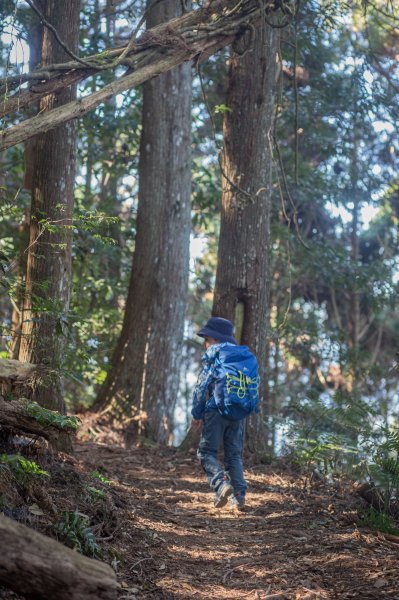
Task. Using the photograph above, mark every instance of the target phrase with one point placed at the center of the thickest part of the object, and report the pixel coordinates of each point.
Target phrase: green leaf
(222, 108)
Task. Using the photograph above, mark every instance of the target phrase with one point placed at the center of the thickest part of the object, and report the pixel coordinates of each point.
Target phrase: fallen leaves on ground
(152, 513)
(290, 543)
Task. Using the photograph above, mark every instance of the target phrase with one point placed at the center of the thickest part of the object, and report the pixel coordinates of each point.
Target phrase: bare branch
(202, 31)
(376, 63)
(38, 90)
(55, 33)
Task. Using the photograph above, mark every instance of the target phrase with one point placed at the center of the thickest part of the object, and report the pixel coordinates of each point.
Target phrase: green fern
(102, 478)
(21, 468)
(383, 470)
(380, 521)
(94, 493)
(325, 454)
(391, 443)
(74, 529)
(45, 416)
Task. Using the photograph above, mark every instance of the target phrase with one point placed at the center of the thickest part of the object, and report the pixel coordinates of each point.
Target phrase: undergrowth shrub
(44, 416)
(21, 468)
(74, 530)
(383, 469)
(365, 452)
(94, 493)
(381, 521)
(100, 477)
(328, 455)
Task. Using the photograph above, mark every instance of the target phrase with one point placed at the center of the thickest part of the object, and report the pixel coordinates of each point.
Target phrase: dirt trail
(171, 543)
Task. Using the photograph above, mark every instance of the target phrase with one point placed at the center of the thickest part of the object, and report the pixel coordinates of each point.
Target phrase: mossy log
(27, 417)
(39, 567)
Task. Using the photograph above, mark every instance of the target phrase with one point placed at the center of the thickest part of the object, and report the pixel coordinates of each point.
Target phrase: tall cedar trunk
(35, 35)
(242, 278)
(354, 313)
(109, 185)
(144, 376)
(49, 259)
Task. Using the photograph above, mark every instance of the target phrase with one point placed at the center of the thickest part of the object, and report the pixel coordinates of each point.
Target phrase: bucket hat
(219, 329)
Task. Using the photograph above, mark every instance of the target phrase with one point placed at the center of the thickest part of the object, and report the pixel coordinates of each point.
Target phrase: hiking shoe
(222, 495)
(237, 501)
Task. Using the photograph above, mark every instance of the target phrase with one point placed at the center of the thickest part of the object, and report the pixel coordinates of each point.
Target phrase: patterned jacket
(203, 399)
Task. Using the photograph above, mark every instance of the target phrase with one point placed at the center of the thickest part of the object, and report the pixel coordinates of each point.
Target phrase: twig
(105, 539)
(383, 12)
(56, 35)
(82, 61)
(219, 151)
(377, 65)
(243, 563)
(140, 561)
(287, 191)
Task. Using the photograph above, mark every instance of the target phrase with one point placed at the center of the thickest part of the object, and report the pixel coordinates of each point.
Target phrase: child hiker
(225, 394)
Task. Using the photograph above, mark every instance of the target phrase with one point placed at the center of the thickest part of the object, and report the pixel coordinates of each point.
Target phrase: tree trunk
(35, 36)
(243, 279)
(144, 377)
(49, 258)
(39, 567)
(17, 312)
(354, 308)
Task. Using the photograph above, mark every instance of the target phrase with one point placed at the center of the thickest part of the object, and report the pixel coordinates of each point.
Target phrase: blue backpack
(236, 390)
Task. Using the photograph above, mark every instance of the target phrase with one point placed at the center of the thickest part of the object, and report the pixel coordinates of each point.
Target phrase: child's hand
(196, 423)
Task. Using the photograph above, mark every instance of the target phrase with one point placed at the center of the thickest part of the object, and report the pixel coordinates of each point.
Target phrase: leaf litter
(289, 543)
(166, 540)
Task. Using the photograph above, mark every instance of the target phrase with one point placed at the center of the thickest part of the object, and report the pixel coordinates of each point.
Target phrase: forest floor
(159, 530)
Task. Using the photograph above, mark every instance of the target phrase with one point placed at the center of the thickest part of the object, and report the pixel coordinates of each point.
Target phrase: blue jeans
(216, 430)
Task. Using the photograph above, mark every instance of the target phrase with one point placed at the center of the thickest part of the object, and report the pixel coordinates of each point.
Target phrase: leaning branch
(194, 35)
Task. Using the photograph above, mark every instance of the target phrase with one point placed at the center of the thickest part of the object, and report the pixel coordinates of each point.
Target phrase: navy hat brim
(208, 332)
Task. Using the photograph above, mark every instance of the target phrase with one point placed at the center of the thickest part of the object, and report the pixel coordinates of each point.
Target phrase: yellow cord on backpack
(240, 385)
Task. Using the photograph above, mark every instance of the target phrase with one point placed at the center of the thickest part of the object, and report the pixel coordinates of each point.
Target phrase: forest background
(332, 326)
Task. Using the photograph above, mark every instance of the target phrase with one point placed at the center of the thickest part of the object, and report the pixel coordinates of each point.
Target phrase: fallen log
(27, 417)
(40, 567)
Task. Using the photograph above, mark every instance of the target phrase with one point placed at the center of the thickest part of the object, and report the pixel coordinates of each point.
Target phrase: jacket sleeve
(201, 388)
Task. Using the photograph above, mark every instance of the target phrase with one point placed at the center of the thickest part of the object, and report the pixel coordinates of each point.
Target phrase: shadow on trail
(288, 544)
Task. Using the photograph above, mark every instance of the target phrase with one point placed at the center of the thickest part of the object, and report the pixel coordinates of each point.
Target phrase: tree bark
(35, 35)
(49, 257)
(17, 417)
(39, 567)
(198, 33)
(243, 278)
(354, 308)
(144, 377)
